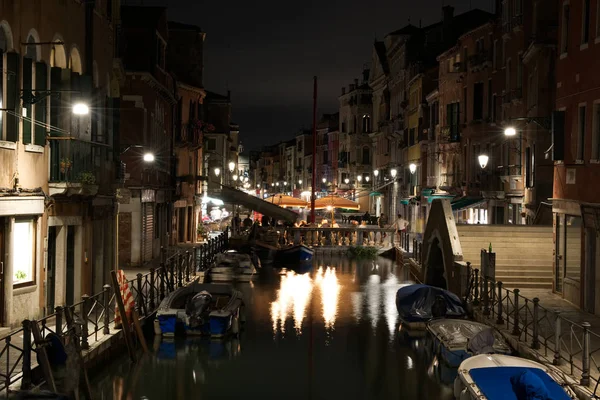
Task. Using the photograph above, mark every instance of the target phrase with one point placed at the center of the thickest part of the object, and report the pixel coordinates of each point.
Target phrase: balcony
(450, 134)
(481, 59)
(73, 171)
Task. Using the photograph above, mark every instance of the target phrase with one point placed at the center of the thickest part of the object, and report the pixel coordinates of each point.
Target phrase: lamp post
(393, 173)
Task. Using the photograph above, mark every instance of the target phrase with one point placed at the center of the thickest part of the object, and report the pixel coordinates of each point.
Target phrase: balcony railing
(73, 160)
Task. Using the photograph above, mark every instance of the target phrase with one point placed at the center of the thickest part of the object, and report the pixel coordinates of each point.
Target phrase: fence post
(187, 266)
(499, 319)
(486, 297)
(535, 341)
(585, 368)
(163, 254)
(59, 318)
(557, 337)
(161, 277)
(475, 286)
(226, 236)
(26, 379)
(106, 304)
(151, 290)
(516, 330)
(84, 327)
(139, 304)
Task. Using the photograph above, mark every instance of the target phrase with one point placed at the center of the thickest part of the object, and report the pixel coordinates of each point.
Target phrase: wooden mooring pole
(125, 322)
(87, 389)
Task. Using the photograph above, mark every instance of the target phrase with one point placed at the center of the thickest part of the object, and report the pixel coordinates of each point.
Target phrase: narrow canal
(328, 334)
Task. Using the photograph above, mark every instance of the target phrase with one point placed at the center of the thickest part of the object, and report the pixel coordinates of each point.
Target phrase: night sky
(266, 52)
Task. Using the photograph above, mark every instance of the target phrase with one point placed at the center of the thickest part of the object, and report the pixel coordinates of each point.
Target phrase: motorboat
(455, 340)
(294, 255)
(418, 304)
(232, 265)
(498, 376)
(266, 252)
(200, 309)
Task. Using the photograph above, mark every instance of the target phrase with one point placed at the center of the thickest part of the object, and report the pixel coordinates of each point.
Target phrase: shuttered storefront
(148, 230)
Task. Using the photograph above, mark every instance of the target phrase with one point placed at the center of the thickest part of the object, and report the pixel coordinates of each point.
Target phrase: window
(518, 8)
(478, 101)
(495, 55)
(504, 52)
(465, 58)
(325, 157)
(598, 19)
(490, 100)
(528, 167)
(493, 114)
(585, 22)
(465, 103)
(366, 124)
(27, 94)
(520, 73)
(299, 145)
(452, 120)
(160, 52)
(596, 132)
(343, 126)
(366, 158)
(581, 133)
(508, 85)
(23, 252)
(564, 35)
(211, 144)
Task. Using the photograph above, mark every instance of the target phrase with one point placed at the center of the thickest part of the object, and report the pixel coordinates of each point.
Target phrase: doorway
(2, 255)
(590, 271)
(51, 270)
(70, 288)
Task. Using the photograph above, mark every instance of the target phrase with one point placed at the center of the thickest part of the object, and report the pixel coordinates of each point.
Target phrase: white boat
(497, 376)
(456, 340)
(232, 265)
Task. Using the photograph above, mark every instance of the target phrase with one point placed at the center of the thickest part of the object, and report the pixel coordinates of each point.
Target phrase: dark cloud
(267, 52)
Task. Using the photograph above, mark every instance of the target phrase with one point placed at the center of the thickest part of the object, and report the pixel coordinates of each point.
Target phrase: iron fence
(94, 314)
(555, 336)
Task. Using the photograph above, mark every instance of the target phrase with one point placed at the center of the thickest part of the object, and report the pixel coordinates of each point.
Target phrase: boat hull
(265, 253)
(295, 255)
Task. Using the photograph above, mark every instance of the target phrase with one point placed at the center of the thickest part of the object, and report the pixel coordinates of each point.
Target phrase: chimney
(351, 87)
(356, 82)
(447, 13)
(229, 95)
(365, 75)
(344, 90)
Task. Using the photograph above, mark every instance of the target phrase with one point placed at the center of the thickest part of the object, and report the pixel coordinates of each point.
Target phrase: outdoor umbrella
(283, 200)
(332, 202)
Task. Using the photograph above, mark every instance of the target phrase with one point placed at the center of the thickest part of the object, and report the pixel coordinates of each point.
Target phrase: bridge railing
(350, 236)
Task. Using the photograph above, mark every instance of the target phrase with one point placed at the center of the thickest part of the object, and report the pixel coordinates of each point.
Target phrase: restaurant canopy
(283, 200)
(234, 196)
(333, 201)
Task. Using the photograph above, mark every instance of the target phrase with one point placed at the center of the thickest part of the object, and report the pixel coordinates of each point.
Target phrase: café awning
(234, 196)
(466, 202)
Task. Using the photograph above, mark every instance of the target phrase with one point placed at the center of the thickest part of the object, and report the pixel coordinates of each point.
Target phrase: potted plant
(202, 233)
(65, 165)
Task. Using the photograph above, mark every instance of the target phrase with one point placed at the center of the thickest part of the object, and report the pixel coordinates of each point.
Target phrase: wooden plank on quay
(40, 344)
(87, 389)
(138, 330)
(125, 323)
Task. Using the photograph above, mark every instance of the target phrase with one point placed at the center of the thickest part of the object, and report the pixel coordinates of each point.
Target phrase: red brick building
(576, 200)
(147, 121)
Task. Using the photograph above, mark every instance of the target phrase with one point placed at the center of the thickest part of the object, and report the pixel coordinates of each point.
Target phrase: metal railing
(555, 336)
(351, 236)
(94, 314)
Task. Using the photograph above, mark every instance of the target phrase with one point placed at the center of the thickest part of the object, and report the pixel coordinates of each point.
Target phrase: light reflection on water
(328, 333)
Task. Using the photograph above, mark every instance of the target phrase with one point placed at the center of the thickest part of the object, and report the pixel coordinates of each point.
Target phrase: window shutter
(55, 85)
(27, 96)
(12, 96)
(41, 85)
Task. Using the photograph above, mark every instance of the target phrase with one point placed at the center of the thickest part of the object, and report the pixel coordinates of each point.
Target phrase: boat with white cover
(232, 265)
(455, 340)
(502, 377)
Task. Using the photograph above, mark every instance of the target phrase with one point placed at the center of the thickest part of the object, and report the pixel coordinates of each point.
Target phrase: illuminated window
(23, 252)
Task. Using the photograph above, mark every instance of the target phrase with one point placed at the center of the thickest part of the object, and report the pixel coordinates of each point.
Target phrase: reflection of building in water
(292, 299)
(330, 290)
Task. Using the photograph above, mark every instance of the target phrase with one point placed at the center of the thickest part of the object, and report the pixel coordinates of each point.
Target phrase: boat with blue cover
(201, 309)
(418, 304)
(455, 340)
(294, 255)
(502, 377)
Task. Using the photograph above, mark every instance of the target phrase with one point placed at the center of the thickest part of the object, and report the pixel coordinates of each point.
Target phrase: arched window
(366, 156)
(366, 123)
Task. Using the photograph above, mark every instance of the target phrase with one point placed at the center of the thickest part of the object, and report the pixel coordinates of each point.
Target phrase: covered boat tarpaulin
(234, 196)
(415, 302)
(466, 202)
(517, 383)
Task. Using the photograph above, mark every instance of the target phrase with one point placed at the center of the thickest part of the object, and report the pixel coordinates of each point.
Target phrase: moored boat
(231, 265)
(294, 255)
(418, 304)
(497, 376)
(265, 252)
(456, 340)
(200, 309)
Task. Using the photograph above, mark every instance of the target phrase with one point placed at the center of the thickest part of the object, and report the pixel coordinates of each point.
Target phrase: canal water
(331, 333)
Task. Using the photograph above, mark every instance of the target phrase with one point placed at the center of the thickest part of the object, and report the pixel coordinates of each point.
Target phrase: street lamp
(483, 160)
(231, 166)
(359, 178)
(413, 168)
(81, 109)
(324, 180)
(346, 181)
(376, 173)
(367, 178)
(510, 131)
(393, 172)
(284, 183)
(217, 171)
(235, 178)
(299, 181)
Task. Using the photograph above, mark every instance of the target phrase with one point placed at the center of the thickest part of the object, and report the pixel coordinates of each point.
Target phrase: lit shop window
(23, 252)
